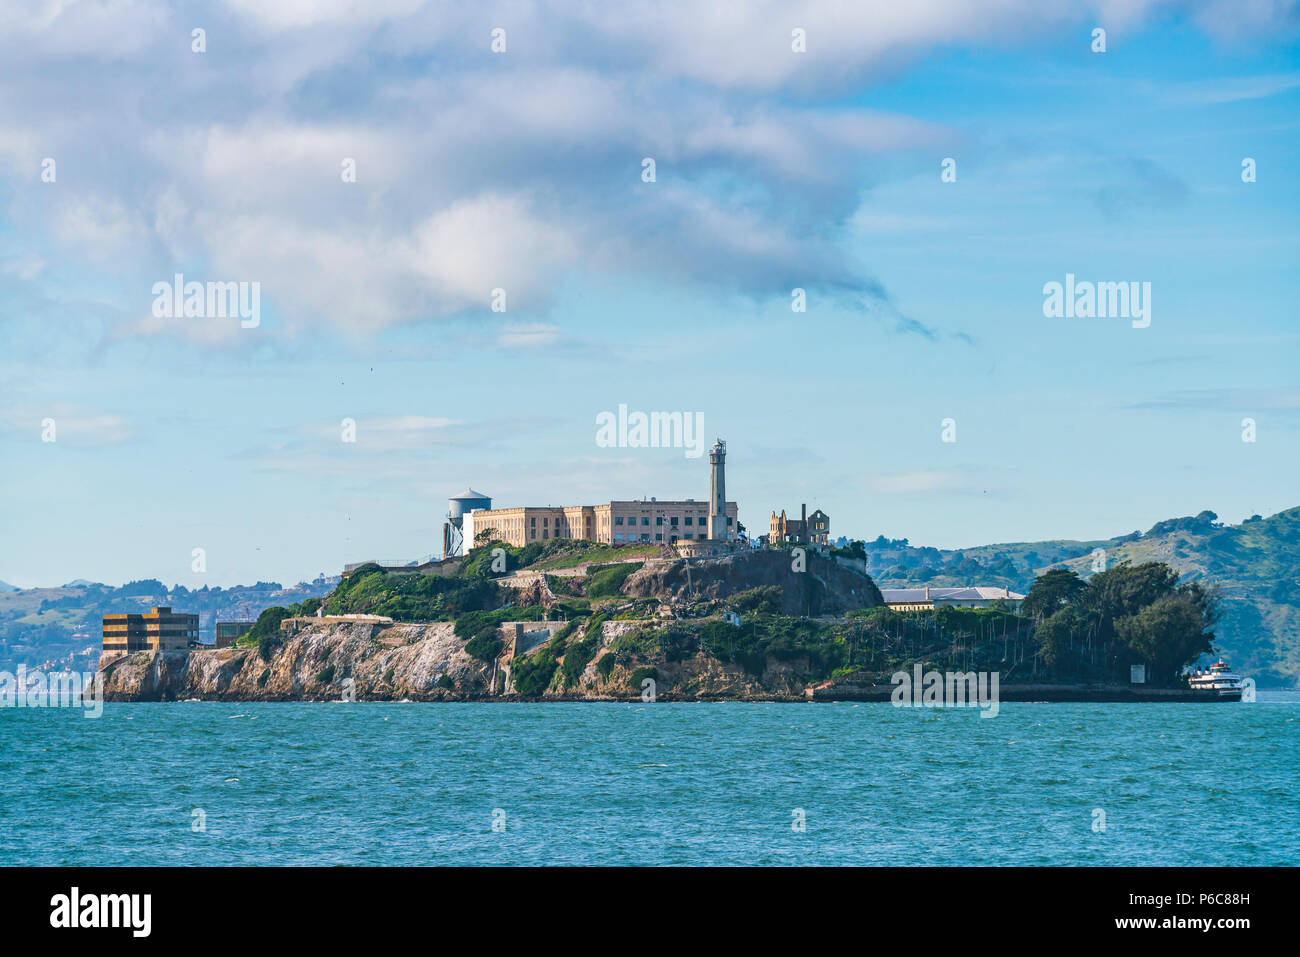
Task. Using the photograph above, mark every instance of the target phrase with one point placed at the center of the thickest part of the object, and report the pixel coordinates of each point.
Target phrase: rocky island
(569, 620)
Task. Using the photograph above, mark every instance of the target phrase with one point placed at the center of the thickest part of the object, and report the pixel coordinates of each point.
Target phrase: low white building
(924, 599)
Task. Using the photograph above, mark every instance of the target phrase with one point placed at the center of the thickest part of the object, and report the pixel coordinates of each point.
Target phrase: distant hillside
(61, 627)
(1255, 564)
(5, 586)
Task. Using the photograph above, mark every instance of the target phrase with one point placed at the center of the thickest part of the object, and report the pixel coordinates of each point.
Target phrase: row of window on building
(659, 520)
(161, 629)
(658, 536)
(618, 520)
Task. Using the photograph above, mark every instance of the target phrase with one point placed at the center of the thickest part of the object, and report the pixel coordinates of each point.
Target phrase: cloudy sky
(128, 156)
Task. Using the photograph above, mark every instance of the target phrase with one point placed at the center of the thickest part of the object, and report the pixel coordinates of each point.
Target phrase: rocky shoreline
(367, 661)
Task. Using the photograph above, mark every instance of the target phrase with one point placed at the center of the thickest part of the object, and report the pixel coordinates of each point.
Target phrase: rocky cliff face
(315, 663)
(823, 586)
(323, 662)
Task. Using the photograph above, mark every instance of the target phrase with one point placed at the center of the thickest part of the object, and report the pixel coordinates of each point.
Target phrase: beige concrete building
(614, 523)
(521, 525)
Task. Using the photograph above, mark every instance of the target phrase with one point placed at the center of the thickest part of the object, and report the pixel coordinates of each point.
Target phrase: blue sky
(522, 170)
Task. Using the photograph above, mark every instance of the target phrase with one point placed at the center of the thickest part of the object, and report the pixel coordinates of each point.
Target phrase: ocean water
(648, 784)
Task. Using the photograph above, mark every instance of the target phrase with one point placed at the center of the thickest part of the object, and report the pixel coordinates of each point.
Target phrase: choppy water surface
(652, 784)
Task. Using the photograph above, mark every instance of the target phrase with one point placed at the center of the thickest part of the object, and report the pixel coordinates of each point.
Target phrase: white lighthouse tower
(718, 492)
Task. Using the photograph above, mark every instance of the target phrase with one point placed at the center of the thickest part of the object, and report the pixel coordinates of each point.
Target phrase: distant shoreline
(1051, 694)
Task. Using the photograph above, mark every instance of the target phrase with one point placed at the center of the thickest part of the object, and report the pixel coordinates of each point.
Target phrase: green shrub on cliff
(532, 676)
(479, 562)
(561, 636)
(676, 642)
(548, 553)
(879, 613)
(571, 608)
(763, 600)
(471, 623)
(265, 632)
(790, 640)
(485, 645)
(562, 585)
(640, 674)
(410, 597)
(481, 559)
(743, 646)
(579, 653)
(266, 646)
(608, 581)
(856, 551)
(605, 666)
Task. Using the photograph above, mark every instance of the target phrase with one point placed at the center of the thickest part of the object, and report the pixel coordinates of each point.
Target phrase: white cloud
(383, 447)
(919, 481)
(1233, 89)
(24, 265)
(517, 335)
(369, 278)
(287, 14)
(74, 424)
(103, 227)
(393, 431)
(474, 171)
(489, 242)
(99, 29)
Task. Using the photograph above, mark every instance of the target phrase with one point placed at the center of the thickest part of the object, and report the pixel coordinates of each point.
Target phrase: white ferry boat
(1217, 678)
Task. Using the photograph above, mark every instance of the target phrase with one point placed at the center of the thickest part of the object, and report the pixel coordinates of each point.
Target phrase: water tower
(458, 506)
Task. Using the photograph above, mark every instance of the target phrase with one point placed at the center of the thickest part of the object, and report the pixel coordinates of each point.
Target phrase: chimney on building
(803, 523)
